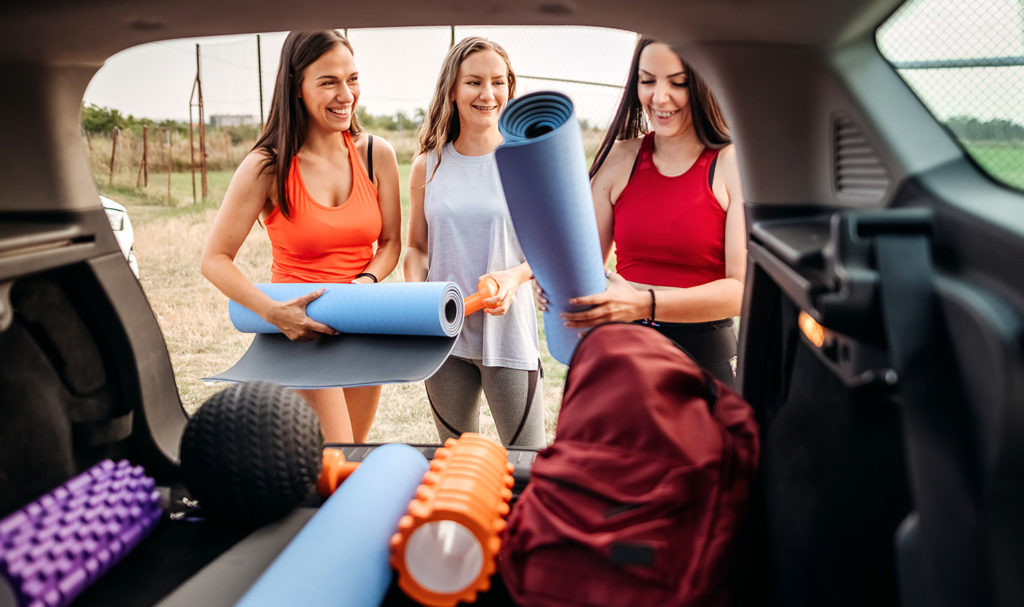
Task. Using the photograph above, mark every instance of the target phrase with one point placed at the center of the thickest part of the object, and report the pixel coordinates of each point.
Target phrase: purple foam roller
(54, 547)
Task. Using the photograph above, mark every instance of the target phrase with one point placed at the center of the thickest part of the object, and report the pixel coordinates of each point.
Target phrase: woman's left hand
(620, 301)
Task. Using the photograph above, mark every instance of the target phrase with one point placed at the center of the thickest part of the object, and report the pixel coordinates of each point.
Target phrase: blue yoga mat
(393, 308)
(341, 555)
(544, 174)
(391, 333)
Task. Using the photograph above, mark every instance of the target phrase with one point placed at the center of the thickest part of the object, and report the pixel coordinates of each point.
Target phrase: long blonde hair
(442, 122)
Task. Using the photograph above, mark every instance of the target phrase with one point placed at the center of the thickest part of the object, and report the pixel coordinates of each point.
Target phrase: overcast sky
(399, 66)
(398, 69)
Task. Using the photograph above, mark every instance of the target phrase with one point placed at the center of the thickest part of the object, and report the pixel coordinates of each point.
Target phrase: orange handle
(487, 287)
(334, 471)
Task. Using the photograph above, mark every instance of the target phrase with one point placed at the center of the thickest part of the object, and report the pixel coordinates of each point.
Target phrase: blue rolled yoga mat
(340, 557)
(391, 332)
(544, 174)
(393, 308)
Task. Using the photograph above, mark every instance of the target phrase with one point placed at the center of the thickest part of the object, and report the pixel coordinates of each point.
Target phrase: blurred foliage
(399, 121)
(98, 119)
(968, 128)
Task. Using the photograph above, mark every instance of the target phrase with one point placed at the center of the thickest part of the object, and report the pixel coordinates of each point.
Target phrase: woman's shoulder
(620, 159)
(625, 149)
(381, 146)
(419, 163)
(727, 158)
(256, 163)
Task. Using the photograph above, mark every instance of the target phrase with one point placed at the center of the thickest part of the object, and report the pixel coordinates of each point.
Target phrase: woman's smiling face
(330, 89)
(481, 90)
(662, 90)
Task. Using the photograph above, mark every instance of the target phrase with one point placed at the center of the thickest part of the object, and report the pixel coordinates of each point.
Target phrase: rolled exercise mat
(445, 546)
(55, 547)
(341, 556)
(391, 332)
(544, 174)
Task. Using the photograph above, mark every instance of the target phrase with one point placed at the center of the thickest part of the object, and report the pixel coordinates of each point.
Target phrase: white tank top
(469, 233)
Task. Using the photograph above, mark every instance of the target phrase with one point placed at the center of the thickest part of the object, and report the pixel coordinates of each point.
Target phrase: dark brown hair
(630, 121)
(285, 131)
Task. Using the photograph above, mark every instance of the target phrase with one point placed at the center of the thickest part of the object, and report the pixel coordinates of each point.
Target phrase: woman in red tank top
(669, 198)
(329, 218)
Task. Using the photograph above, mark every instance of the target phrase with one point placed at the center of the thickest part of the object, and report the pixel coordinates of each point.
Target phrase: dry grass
(193, 314)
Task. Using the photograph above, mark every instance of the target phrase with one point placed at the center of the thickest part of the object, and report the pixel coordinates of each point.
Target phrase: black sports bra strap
(645, 150)
(369, 157)
(711, 170)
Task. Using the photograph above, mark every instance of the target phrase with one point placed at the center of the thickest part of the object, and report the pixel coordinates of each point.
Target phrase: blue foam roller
(340, 557)
(544, 174)
(416, 308)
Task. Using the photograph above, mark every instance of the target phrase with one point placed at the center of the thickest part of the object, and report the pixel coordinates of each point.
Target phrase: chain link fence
(587, 63)
(965, 61)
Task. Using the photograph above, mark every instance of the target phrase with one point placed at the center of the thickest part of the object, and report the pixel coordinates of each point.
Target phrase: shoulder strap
(645, 151)
(369, 157)
(711, 169)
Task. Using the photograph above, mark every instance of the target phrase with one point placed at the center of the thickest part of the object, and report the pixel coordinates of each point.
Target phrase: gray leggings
(515, 396)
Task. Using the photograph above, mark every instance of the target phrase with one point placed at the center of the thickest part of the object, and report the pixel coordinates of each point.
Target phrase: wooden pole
(113, 154)
(143, 176)
(259, 75)
(170, 164)
(202, 128)
(192, 148)
(145, 158)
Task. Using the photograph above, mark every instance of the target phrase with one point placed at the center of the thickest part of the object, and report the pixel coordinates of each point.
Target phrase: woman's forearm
(715, 300)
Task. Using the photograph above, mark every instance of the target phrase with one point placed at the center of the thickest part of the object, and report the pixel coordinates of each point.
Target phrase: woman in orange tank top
(329, 219)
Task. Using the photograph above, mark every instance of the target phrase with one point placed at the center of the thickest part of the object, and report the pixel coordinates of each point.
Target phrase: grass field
(193, 314)
(1004, 162)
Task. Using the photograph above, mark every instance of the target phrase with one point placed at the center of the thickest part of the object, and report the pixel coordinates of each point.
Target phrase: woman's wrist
(370, 275)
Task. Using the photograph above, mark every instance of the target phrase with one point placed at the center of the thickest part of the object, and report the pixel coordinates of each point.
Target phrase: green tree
(96, 119)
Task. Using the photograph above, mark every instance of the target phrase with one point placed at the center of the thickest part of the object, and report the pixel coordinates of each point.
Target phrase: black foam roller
(251, 453)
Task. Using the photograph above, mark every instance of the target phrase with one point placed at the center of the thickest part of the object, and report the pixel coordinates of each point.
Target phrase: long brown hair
(442, 122)
(631, 122)
(285, 131)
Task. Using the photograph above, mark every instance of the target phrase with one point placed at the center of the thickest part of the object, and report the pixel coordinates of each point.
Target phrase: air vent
(860, 173)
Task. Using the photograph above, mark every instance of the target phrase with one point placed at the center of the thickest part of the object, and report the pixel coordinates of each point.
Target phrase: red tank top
(320, 243)
(669, 231)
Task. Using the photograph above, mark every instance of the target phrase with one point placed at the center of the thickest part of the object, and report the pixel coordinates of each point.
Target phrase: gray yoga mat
(391, 333)
(544, 174)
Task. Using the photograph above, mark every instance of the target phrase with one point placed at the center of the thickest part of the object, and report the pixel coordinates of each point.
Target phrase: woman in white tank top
(460, 230)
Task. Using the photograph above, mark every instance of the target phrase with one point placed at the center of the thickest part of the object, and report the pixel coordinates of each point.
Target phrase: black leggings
(712, 344)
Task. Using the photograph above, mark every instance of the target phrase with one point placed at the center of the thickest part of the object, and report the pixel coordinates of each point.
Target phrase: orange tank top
(320, 243)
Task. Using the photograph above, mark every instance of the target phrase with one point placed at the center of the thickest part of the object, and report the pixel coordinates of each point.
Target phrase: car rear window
(965, 61)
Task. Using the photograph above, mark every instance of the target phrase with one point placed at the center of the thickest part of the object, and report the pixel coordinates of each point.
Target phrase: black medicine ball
(251, 453)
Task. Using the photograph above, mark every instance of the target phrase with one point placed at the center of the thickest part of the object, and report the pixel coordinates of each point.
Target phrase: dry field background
(193, 314)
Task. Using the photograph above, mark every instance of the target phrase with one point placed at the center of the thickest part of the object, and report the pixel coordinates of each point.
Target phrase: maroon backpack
(638, 500)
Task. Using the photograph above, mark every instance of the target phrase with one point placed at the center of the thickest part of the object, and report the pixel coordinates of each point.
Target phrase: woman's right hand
(290, 316)
(539, 296)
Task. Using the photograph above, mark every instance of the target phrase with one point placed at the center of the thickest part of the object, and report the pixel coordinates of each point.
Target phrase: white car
(122, 227)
